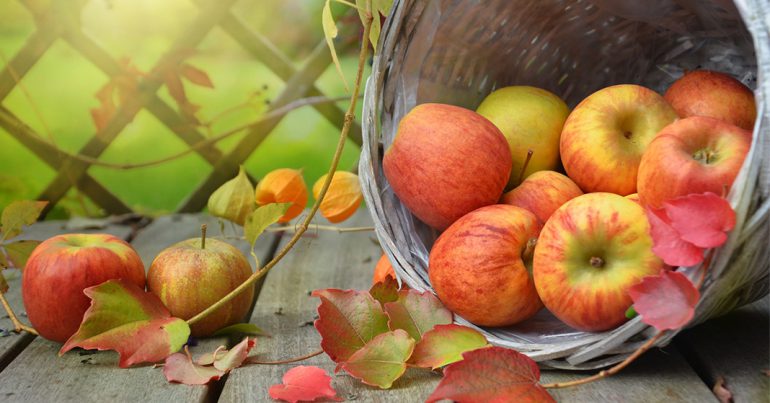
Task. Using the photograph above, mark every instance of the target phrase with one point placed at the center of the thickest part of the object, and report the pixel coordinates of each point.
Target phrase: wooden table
(734, 347)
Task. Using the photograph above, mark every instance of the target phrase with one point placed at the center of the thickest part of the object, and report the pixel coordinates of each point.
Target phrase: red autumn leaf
(665, 301)
(493, 374)
(416, 313)
(347, 320)
(668, 244)
(180, 368)
(382, 360)
(125, 318)
(304, 383)
(175, 87)
(209, 358)
(701, 219)
(195, 75)
(445, 344)
(385, 291)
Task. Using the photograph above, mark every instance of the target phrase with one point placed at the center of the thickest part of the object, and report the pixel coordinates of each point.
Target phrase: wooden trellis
(61, 20)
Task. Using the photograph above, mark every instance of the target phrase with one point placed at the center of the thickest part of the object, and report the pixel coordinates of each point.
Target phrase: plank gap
(11, 354)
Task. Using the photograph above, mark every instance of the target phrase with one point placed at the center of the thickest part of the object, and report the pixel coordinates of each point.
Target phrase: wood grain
(735, 347)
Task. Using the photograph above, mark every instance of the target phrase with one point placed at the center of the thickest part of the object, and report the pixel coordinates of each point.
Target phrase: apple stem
(203, 236)
(526, 164)
(597, 262)
(529, 250)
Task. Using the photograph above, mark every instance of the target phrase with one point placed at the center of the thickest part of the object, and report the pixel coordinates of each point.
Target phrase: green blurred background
(55, 98)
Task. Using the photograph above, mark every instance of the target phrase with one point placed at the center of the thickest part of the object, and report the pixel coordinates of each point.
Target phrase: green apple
(530, 119)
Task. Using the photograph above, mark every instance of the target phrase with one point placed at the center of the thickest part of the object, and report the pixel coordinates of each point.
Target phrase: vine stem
(320, 227)
(287, 361)
(18, 326)
(349, 117)
(639, 351)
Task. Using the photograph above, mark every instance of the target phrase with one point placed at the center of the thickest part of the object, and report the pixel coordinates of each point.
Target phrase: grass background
(55, 97)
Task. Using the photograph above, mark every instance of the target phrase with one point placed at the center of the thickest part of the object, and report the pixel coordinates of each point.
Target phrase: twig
(349, 117)
(287, 361)
(320, 227)
(18, 326)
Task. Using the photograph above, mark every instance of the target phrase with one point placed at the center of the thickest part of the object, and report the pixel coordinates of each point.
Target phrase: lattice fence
(52, 24)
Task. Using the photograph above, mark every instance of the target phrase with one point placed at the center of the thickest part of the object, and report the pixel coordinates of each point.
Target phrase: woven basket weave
(457, 52)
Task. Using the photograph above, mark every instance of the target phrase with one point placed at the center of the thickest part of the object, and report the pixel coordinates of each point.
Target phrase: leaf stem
(287, 361)
(18, 326)
(349, 117)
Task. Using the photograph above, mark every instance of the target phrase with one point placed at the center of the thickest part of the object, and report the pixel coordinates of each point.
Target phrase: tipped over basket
(457, 52)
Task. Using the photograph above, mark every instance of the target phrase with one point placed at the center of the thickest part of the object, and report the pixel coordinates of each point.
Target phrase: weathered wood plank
(12, 343)
(657, 376)
(37, 374)
(735, 347)
(286, 310)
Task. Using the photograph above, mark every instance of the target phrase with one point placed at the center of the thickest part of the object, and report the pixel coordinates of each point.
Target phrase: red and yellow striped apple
(693, 155)
(542, 193)
(715, 95)
(60, 268)
(591, 250)
(480, 266)
(445, 162)
(606, 134)
(530, 119)
(192, 275)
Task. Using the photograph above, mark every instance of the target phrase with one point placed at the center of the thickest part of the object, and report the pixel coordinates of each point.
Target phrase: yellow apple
(530, 119)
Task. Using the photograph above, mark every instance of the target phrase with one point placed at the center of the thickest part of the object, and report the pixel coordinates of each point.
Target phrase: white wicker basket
(456, 52)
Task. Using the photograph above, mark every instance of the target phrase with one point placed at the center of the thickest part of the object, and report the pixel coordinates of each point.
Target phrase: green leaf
(234, 200)
(19, 251)
(382, 360)
(445, 344)
(330, 32)
(385, 291)
(240, 328)
(631, 312)
(259, 220)
(378, 7)
(416, 312)
(19, 214)
(125, 318)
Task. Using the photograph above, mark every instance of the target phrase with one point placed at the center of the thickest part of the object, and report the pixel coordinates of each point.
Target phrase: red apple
(606, 134)
(634, 197)
(542, 193)
(480, 266)
(192, 275)
(60, 268)
(713, 94)
(692, 155)
(445, 162)
(591, 250)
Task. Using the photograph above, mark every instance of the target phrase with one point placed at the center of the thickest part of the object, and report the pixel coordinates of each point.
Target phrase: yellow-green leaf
(234, 200)
(19, 214)
(19, 251)
(240, 328)
(330, 32)
(262, 218)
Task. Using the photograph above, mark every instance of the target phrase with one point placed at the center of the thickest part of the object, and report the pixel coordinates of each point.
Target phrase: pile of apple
(573, 243)
(188, 277)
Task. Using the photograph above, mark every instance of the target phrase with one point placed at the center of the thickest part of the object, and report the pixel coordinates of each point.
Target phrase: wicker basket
(457, 52)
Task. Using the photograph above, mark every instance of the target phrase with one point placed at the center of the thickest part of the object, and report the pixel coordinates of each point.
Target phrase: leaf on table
(125, 318)
(701, 219)
(347, 320)
(446, 344)
(209, 358)
(19, 251)
(304, 384)
(330, 32)
(666, 300)
(241, 328)
(195, 75)
(382, 360)
(234, 200)
(721, 392)
(180, 368)
(493, 374)
(668, 244)
(18, 214)
(416, 313)
(235, 357)
(385, 291)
